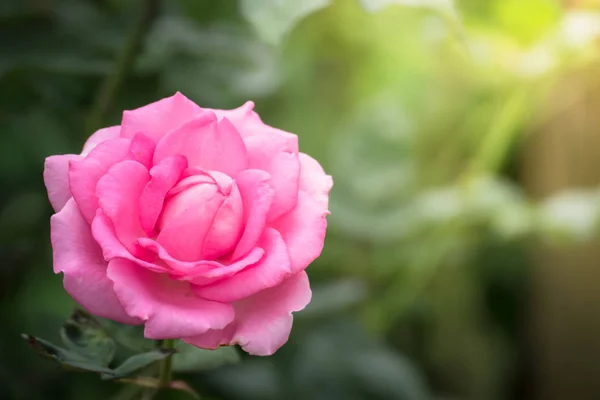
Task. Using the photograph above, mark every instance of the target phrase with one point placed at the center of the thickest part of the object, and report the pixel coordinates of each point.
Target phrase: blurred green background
(462, 259)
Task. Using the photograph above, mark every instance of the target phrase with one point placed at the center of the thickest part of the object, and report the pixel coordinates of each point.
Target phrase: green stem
(165, 374)
(110, 87)
(502, 135)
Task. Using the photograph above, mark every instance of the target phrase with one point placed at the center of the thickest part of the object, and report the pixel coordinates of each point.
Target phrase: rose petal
(223, 181)
(226, 227)
(163, 177)
(262, 149)
(248, 123)
(266, 273)
(192, 180)
(100, 136)
(214, 338)
(159, 118)
(56, 179)
(285, 172)
(184, 234)
(84, 174)
(262, 322)
(142, 149)
(118, 192)
(207, 144)
(104, 234)
(78, 256)
(169, 308)
(314, 181)
(303, 230)
(202, 271)
(256, 199)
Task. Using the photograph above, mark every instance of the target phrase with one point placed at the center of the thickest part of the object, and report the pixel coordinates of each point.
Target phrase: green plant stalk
(110, 87)
(165, 373)
(502, 135)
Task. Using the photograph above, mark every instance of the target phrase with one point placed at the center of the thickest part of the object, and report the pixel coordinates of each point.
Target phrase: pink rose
(197, 223)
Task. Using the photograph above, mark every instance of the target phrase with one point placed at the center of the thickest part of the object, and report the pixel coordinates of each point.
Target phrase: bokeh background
(462, 259)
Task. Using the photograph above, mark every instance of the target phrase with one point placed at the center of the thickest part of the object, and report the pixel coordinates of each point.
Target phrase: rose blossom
(197, 223)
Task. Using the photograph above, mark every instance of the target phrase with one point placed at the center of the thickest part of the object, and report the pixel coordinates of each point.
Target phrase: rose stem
(164, 374)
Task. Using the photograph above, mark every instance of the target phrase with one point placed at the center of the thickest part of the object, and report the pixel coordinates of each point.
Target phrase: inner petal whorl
(190, 192)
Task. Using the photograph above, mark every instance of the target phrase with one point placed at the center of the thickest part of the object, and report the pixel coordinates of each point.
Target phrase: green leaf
(49, 350)
(137, 362)
(86, 366)
(67, 359)
(84, 335)
(129, 336)
(274, 19)
(190, 358)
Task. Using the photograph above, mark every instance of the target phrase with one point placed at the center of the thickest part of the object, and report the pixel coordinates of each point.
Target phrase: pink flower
(197, 223)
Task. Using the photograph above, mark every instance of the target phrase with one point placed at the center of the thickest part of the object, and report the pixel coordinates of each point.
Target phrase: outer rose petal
(159, 118)
(169, 308)
(248, 123)
(212, 339)
(314, 181)
(84, 174)
(262, 149)
(266, 273)
(285, 172)
(303, 230)
(262, 322)
(56, 178)
(100, 136)
(79, 257)
(118, 193)
(207, 144)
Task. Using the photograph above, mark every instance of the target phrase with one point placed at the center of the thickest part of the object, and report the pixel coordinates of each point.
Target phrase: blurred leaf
(273, 19)
(219, 66)
(256, 379)
(370, 370)
(84, 335)
(138, 362)
(378, 5)
(21, 214)
(580, 28)
(190, 358)
(527, 20)
(571, 216)
(388, 376)
(373, 163)
(70, 37)
(334, 296)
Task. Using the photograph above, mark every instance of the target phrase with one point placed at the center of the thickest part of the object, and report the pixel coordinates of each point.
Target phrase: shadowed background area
(462, 257)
